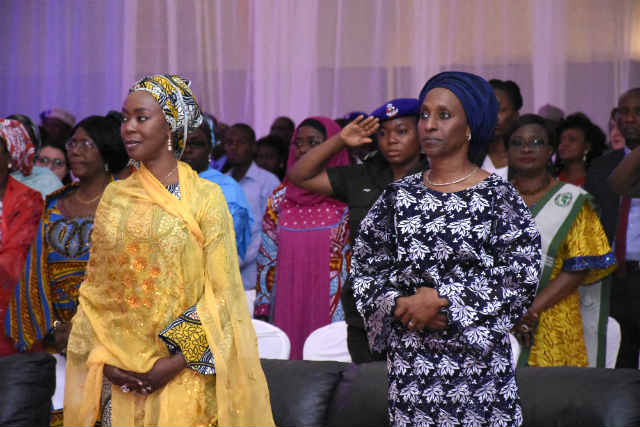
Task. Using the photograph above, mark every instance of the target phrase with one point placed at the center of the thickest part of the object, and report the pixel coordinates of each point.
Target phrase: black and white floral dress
(480, 249)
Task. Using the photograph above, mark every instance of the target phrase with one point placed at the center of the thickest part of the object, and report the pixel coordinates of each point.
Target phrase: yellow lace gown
(559, 337)
(153, 256)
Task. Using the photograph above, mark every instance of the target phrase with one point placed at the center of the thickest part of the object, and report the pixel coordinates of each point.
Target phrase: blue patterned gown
(480, 249)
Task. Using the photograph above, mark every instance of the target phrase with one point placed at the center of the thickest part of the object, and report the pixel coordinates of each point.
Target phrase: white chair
(327, 343)
(273, 342)
(515, 350)
(57, 400)
(613, 343)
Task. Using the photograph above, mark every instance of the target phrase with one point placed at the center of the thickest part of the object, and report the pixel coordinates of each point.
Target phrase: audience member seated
(32, 129)
(303, 260)
(283, 127)
(510, 102)
(270, 155)
(551, 113)
(46, 297)
(196, 153)
(359, 186)
(20, 211)
(257, 184)
(616, 140)
(53, 155)
(581, 141)
(620, 218)
(217, 131)
(574, 246)
(56, 125)
(625, 178)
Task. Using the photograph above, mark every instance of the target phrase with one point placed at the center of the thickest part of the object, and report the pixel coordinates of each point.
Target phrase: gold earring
(169, 145)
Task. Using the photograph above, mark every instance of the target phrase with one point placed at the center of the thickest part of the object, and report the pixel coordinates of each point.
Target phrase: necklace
(536, 190)
(171, 173)
(87, 202)
(426, 178)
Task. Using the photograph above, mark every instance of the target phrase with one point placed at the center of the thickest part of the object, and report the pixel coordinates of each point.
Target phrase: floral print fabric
(480, 249)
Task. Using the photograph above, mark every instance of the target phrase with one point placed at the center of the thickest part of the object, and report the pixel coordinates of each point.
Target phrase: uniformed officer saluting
(360, 185)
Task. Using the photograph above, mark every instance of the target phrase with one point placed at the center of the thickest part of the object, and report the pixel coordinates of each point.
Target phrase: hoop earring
(469, 138)
(169, 145)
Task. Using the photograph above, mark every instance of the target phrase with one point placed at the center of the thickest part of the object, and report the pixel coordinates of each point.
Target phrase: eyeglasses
(45, 161)
(82, 145)
(307, 143)
(534, 144)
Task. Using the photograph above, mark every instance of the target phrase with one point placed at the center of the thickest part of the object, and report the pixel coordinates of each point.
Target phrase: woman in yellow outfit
(162, 312)
(575, 251)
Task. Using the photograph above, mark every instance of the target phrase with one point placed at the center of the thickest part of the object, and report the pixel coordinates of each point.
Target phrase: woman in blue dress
(446, 262)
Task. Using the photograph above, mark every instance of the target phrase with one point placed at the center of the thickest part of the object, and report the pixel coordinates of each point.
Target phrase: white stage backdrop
(252, 60)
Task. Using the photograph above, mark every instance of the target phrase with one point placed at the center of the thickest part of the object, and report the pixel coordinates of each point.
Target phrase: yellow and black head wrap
(177, 102)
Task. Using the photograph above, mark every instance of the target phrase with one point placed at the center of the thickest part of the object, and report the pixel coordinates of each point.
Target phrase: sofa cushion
(301, 391)
(567, 396)
(27, 382)
(361, 397)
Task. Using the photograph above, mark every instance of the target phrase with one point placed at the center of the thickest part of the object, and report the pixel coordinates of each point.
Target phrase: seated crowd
(297, 198)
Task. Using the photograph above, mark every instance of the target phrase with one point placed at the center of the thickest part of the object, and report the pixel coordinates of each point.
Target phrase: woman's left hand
(61, 336)
(163, 371)
(525, 327)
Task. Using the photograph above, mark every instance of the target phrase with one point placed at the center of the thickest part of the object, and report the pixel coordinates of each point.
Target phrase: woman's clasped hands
(421, 310)
(163, 371)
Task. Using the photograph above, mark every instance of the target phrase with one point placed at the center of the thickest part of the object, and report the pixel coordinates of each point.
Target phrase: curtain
(253, 60)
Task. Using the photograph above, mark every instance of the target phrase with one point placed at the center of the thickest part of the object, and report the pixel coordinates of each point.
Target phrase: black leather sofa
(307, 393)
(27, 382)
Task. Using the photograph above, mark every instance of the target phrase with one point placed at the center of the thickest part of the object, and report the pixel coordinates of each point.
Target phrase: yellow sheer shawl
(152, 257)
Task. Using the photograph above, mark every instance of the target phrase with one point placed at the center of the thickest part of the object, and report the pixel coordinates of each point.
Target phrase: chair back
(327, 343)
(613, 342)
(515, 349)
(273, 342)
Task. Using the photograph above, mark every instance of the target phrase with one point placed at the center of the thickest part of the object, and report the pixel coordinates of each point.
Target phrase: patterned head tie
(19, 145)
(177, 102)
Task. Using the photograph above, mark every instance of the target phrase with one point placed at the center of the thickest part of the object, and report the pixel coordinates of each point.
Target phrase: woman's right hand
(523, 330)
(125, 379)
(358, 132)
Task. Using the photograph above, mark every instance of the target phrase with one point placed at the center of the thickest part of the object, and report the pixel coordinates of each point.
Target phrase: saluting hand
(358, 132)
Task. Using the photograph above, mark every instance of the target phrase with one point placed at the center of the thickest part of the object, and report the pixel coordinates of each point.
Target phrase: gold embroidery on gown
(153, 256)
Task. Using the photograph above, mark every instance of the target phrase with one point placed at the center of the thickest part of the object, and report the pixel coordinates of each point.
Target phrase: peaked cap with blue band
(400, 107)
(477, 98)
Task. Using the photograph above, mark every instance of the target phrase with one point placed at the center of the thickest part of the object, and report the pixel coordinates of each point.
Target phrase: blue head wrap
(400, 107)
(477, 98)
